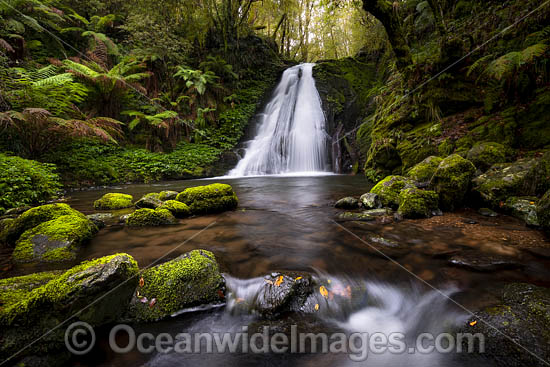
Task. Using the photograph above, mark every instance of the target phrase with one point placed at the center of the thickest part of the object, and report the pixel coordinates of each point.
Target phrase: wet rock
(541, 252)
(486, 212)
(150, 217)
(484, 262)
(356, 217)
(384, 242)
(451, 181)
(168, 195)
(100, 219)
(398, 217)
(36, 303)
(389, 188)
(484, 155)
(543, 211)
(149, 201)
(378, 212)
(437, 213)
(370, 201)
(416, 203)
(178, 209)
(424, 171)
(209, 199)
(114, 201)
(190, 280)
(521, 316)
(523, 208)
(347, 203)
(123, 218)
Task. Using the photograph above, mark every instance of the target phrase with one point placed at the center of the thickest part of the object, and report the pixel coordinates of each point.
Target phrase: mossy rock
(484, 155)
(347, 203)
(33, 217)
(424, 171)
(149, 201)
(524, 208)
(209, 199)
(416, 203)
(389, 188)
(150, 217)
(168, 195)
(451, 181)
(177, 208)
(543, 211)
(114, 201)
(190, 280)
(56, 240)
(383, 159)
(99, 290)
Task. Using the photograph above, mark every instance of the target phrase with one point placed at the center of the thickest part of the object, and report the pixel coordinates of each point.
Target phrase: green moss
(177, 208)
(424, 170)
(543, 211)
(114, 201)
(188, 280)
(484, 155)
(451, 181)
(389, 188)
(150, 217)
(415, 203)
(168, 195)
(55, 240)
(13, 290)
(208, 199)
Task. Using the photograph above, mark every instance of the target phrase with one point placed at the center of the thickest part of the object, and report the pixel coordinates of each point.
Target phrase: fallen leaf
(298, 278)
(532, 203)
(279, 281)
(220, 294)
(329, 281)
(323, 291)
(316, 307)
(141, 282)
(152, 303)
(473, 323)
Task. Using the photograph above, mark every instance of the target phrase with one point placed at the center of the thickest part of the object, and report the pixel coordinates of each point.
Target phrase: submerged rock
(190, 280)
(168, 195)
(355, 217)
(149, 201)
(347, 203)
(37, 303)
(114, 201)
(150, 217)
(100, 219)
(486, 212)
(209, 199)
(484, 262)
(451, 181)
(177, 208)
(416, 203)
(389, 188)
(523, 208)
(370, 201)
(484, 155)
(424, 171)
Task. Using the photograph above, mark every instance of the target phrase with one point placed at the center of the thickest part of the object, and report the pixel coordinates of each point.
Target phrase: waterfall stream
(291, 137)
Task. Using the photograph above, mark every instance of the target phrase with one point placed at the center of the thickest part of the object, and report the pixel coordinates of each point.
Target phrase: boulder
(416, 203)
(209, 199)
(370, 201)
(543, 211)
(114, 201)
(56, 240)
(100, 219)
(177, 208)
(190, 280)
(451, 181)
(354, 217)
(378, 212)
(347, 203)
(424, 171)
(524, 208)
(168, 195)
(149, 201)
(484, 155)
(389, 188)
(33, 305)
(150, 217)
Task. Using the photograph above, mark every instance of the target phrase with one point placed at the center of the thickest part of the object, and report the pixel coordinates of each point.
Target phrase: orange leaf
(141, 282)
(316, 307)
(323, 291)
(298, 278)
(473, 323)
(279, 281)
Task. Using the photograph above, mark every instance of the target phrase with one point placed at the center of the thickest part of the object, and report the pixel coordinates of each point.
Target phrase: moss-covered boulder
(33, 305)
(150, 217)
(168, 195)
(347, 203)
(177, 208)
(370, 201)
(56, 240)
(190, 280)
(416, 203)
(543, 211)
(33, 217)
(149, 201)
(524, 208)
(114, 201)
(424, 171)
(389, 188)
(484, 155)
(209, 199)
(451, 181)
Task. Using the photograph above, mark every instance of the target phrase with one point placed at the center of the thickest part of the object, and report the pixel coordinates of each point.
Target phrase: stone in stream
(370, 201)
(451, 181)
(191, 279)
(150, 218)
(114, 201)
(486, 212)
(168, 195)
(355, 217)
(100, 219)
(382, 212)
(149, 201)
(177, 208)
(416, 203)
(484, 262)
(389, 188)
(347, 203)
(209, 199)
(35, 304)
(524, 208)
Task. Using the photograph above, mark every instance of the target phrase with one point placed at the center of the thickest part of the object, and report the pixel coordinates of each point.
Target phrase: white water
(291, 137)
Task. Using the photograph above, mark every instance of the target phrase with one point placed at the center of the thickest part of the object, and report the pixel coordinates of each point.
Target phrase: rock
(177, 208)
(484, 155)
(484, 262)
(486, 212)
(56, 240)
(114, 201)
(5, 222)
(355, 217)
(398, 217)
(190, 280)
(209, 199)
(347, 203)
(123, 218)
(36, 303)
(150, 217)
(521, 316)
(33, 217)
(17, 211)
(451, 181)
(523, 208)
(543, 252)
(100, 219)
(370, 201)
(378, 212)
(384, 242)
(168, 195)
(149, 201)
(416, 203)
(424, 171)
(389, 188)
(543, 211)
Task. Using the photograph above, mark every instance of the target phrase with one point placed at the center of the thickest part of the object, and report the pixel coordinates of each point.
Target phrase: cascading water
(291, 136)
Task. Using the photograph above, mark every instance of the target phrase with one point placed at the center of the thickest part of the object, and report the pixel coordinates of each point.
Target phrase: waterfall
(291, 137)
